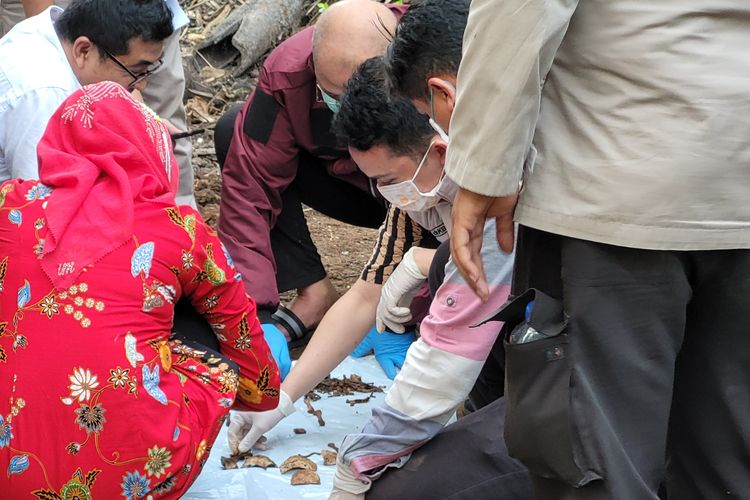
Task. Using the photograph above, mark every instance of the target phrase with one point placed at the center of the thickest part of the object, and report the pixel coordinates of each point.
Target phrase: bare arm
(343, 327)
(34, 7)
(340, 331)
(423, 257)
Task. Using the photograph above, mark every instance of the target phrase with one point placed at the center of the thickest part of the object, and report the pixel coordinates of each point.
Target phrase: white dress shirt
(35, 77)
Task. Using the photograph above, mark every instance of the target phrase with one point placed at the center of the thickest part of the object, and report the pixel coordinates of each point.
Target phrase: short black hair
(110, 24)
(370, 117)
(427, 43)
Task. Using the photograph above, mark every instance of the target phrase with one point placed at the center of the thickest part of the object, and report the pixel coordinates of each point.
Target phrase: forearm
(34, 7)
(220, 297)
(423, 258)
(340, 331)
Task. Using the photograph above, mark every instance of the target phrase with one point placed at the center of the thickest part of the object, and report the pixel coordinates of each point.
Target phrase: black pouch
(540, 428)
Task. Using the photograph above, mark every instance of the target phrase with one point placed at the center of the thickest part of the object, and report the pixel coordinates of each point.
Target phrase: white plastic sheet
(257, 484)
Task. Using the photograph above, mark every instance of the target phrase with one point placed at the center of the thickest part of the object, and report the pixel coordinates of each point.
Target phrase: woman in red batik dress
(96, 399)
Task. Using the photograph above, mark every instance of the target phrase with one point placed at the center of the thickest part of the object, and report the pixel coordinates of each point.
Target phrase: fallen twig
(312, 411)
(353, 402)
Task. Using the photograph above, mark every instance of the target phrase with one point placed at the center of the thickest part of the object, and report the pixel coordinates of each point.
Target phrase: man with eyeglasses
(51, 54)
(277, 152)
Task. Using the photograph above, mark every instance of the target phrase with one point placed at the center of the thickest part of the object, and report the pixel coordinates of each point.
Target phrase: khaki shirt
(639, 111)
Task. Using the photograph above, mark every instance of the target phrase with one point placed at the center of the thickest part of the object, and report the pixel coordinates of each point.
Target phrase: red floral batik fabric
(97, 400)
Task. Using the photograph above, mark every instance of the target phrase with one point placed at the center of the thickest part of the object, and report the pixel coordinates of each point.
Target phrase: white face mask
(437, 128)
(435, 125)
(407, 196)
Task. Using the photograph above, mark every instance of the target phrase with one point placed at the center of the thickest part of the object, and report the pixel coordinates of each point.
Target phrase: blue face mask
(329, 101)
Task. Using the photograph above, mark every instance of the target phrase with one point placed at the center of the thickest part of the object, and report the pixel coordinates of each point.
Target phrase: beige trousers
(11, 13)
(163, 93)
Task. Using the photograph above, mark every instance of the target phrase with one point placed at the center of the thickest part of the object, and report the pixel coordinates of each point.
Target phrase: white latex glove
(246, 427)
(393, 309)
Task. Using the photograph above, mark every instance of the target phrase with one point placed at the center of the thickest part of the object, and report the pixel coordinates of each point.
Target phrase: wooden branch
(256, 27)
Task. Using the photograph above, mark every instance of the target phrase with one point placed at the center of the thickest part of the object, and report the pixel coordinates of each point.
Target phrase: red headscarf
(102, 153)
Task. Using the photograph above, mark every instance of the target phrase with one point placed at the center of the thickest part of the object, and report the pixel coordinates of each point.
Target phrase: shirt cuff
(487, 181)
(345, 481)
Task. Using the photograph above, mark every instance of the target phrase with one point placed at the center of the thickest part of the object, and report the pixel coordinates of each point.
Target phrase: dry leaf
(346, 386)
(195, 37)
(197, 109)
(231, 461)
(297, 462)
(258, 461)
(209, 74)
(305, 477)
(329, 457)
(228, 463)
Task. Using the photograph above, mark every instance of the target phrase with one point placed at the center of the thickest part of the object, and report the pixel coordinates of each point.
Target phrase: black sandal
(297, 330)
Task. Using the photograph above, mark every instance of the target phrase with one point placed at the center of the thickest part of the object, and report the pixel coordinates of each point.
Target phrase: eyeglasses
(137, 77)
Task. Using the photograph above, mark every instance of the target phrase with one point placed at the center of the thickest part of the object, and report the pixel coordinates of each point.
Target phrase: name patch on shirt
(439, 231)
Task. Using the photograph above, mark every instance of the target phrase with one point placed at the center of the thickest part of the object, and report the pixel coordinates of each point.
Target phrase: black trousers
(193, 327)
(436, 276)
(655, 371)
(298, 263)
(468, 460)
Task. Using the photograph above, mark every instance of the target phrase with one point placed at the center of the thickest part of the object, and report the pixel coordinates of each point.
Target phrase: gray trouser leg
(11, 13)
(164, 93)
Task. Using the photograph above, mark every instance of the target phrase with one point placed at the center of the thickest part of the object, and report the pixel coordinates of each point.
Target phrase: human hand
(396, 294)
(173, 131)
(470, 211)
(279, 347)
(170, 127)
(246, 427)
(389, 348)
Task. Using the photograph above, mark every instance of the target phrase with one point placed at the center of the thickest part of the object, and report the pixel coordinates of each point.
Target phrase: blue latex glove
(279, 347)
(389, 348)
